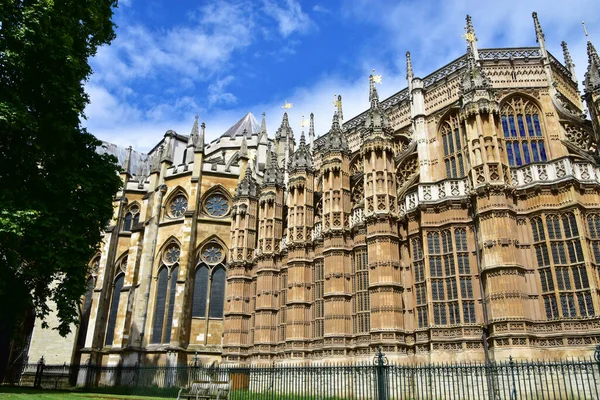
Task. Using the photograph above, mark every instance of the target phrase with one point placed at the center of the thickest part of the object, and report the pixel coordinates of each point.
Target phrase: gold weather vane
(584, 28)
(376, 78)
(303, 121)
(287, 105)
(469, 36)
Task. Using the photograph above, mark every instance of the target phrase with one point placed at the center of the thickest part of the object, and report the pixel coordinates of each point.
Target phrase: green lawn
(17, 393)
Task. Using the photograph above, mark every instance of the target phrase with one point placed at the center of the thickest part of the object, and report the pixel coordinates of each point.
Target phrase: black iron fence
(574, 379)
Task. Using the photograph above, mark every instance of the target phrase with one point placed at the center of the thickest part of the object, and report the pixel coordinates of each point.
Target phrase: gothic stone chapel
(461, 213)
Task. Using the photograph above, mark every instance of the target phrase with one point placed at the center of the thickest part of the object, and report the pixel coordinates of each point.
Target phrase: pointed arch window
(165, 295)
(132, 218)
(523, 134)
(209, 282)
(453, 143)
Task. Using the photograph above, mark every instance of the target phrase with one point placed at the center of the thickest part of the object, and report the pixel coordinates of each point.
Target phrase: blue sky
(220, 59)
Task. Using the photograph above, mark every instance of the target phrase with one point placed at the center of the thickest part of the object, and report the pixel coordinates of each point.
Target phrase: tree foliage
(55, 190)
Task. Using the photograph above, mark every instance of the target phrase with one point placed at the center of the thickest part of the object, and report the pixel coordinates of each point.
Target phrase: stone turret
(591, 85)
(384, 307)
(243, 236)
(336, 202)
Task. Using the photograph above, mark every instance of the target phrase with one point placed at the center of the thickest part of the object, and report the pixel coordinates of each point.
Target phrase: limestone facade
(460, 217)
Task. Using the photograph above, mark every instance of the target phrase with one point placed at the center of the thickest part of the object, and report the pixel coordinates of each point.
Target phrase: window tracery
(453, 144)
(523, 133)
(418, 264)
(178, 206)
(216, 205)
(563, 276)
(318, 311)
(361, 302)
(209, 282)
(406, 170)
(132, 218)
(451, 290)
(165, 295)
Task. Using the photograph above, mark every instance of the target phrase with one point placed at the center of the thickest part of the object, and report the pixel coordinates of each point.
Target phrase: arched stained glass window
(217, 293)
(453, 142)
(114, 309)
(200, 292)
(132, 217)
(523, 134)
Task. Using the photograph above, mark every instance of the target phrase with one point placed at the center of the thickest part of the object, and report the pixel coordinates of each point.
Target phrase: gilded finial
(469, 31)
(375, 78)
(287, 105)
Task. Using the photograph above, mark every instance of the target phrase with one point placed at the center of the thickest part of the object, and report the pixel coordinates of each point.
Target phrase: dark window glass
(127, 222)
(505, 126)
(161, 302)
(172, 291)
(217, 293)
(509, 152)
(200, 291)
(114, 309)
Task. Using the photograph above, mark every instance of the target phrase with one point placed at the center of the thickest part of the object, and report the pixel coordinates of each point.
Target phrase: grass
(22, 393)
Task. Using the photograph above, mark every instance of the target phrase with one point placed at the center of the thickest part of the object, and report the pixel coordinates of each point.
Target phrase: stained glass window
(453, 147)
(212, 254)
(161, 303)
(114, 308)
(522, 132)
(200, 292)
(217, 205)
(217, 293)
(132, 217)
(362, 307)
(178, 206)
(172, 254)
(559, 257)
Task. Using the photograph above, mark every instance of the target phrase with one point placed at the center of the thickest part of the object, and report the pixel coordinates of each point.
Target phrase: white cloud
(217, 93)
(289, 16)
(431, 31)
(320, 9)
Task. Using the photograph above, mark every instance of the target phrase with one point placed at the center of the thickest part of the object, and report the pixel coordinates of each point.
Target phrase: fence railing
(574, 379)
